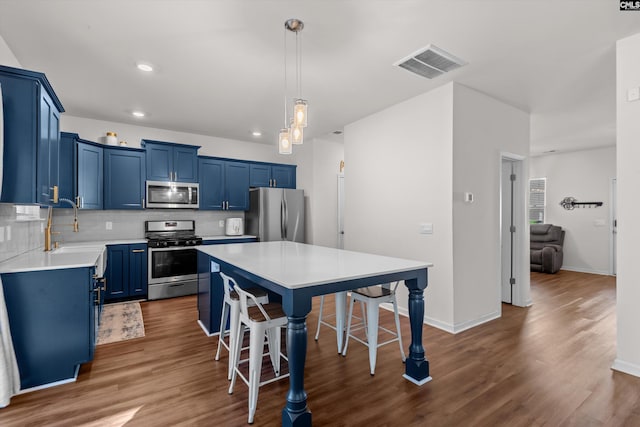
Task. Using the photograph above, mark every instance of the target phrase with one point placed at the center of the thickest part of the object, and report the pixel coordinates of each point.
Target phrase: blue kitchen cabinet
(81, 172)
(31, 136)
(272, 175)
(126, 271)
(52, 315)
(224, 184)
(167, 161)
(67, 168)
(124, 178)
(90, 175)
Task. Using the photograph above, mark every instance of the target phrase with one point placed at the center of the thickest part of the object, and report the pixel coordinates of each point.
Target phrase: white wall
(211, 146)
(628, 177)
(585, 175)
(398, 174)
(483, 127)
(6, 55)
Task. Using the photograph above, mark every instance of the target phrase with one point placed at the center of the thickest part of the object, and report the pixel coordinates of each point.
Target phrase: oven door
(173, 264)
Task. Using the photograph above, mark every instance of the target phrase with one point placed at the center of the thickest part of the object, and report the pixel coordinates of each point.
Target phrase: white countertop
(223, 237)
(297, 265)
(71, 256)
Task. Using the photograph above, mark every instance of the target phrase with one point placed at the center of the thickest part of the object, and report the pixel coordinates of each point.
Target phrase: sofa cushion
(538, 229)
(545, 233)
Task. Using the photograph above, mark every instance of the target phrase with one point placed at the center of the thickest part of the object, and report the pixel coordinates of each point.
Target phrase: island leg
(417, 366)
(296, 413)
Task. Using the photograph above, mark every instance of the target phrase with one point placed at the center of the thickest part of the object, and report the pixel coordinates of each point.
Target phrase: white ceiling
(219, 64)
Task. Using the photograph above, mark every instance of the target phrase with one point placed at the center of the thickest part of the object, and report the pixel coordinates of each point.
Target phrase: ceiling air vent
(430, 62)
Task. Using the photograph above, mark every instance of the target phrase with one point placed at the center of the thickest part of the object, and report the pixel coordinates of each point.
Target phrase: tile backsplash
(130, 224)
(21, 229)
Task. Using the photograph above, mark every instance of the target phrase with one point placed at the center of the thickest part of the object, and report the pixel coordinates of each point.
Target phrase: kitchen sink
(101, 262)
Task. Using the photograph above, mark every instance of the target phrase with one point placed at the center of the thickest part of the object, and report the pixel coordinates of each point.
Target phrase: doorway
(513, 229)
(341, 211)
(613, 227)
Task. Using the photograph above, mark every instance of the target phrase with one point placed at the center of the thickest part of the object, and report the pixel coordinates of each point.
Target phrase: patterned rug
(120, 322)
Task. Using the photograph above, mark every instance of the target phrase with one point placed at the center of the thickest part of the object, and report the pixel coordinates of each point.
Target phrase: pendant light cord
(285, 79)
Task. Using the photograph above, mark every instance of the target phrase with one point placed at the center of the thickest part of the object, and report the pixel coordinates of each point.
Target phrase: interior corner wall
(585, 175)
(398, 174)
(628, 206)
(483, 127)
(6, 55)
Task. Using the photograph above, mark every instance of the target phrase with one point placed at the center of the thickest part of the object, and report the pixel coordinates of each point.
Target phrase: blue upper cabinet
(124, 178)
(211, 180)
(90, 175)
(67, 168)
(31, 137)
(224, 184)
(272, 175)
(167, 161)
(81, 170)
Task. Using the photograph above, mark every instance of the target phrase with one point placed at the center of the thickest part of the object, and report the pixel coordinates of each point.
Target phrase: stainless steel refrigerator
(276, 214)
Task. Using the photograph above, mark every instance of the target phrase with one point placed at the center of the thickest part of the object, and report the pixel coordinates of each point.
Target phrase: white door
(340, 211)
(506, 222)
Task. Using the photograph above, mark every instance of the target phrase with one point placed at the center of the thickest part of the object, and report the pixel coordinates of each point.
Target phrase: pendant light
(293, 133)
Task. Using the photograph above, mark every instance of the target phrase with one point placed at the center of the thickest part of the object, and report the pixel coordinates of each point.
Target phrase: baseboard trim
(206, 331)
(448, 327)
(53, 384)
(463, 326)
(586, 270)
(626, 367)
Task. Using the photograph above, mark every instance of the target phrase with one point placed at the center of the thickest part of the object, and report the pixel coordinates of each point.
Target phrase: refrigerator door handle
(286, 219)
(282, 229)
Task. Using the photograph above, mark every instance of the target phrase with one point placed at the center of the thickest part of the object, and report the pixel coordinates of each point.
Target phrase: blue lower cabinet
(52, 315)
(126, 271)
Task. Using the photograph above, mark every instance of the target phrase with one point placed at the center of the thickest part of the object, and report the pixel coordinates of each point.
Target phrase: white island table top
(297, 265)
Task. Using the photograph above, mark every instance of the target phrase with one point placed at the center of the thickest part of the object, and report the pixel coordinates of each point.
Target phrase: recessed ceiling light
(256, 133)
(144, 67)
(138, 113)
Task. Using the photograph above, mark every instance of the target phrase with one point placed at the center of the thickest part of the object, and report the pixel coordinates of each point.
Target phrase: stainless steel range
(173, 262)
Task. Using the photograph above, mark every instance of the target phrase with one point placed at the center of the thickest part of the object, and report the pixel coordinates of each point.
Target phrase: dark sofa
(546, 247)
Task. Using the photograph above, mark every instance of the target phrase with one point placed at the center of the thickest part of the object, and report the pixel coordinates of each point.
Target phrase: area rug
(120, 322)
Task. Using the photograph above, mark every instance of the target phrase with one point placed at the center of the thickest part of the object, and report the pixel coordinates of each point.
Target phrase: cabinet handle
(143, 202)
(270, 182)
(55, 194)
(137, 251)
(275, 183)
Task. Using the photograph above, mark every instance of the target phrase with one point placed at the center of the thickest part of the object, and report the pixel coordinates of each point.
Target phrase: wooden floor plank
(548, 364)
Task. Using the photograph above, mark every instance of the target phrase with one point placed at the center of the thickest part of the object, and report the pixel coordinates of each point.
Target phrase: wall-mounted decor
(570, 203)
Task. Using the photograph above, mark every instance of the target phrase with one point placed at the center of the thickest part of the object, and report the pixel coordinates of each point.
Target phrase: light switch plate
(1, 234)
(108, 225)
(633, 94)
(8, 233)
(426, 228)
(221, 223)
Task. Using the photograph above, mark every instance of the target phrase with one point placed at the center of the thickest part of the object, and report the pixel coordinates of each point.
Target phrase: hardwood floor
(548, 364)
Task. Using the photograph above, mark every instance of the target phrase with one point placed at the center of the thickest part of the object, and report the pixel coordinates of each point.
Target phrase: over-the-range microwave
(172, 195)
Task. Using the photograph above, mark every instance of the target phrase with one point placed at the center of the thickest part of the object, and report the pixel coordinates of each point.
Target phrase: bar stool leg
(223, 324)
(372, 335)
(319, 317)
(274, 340)
(256, 348)
(346, 339)
(233, 327)
(395, 312)
(236, 355)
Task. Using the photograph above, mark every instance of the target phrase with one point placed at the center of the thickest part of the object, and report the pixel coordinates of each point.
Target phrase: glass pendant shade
(296, 134)
(300, 113)
(284, 142)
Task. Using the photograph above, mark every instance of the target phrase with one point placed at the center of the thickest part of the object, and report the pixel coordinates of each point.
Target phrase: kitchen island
(297, 272)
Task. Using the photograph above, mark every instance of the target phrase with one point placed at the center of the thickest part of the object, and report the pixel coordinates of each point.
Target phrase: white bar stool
(231, 306)
(373, 296)
(260, 319)
(339, 327)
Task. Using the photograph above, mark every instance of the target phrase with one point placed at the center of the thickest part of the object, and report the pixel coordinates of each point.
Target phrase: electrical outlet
(633, 94)
(221, 223)
(8, 233)
(109, 225)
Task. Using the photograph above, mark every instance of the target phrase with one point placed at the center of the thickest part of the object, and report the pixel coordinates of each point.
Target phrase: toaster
(234, 227)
